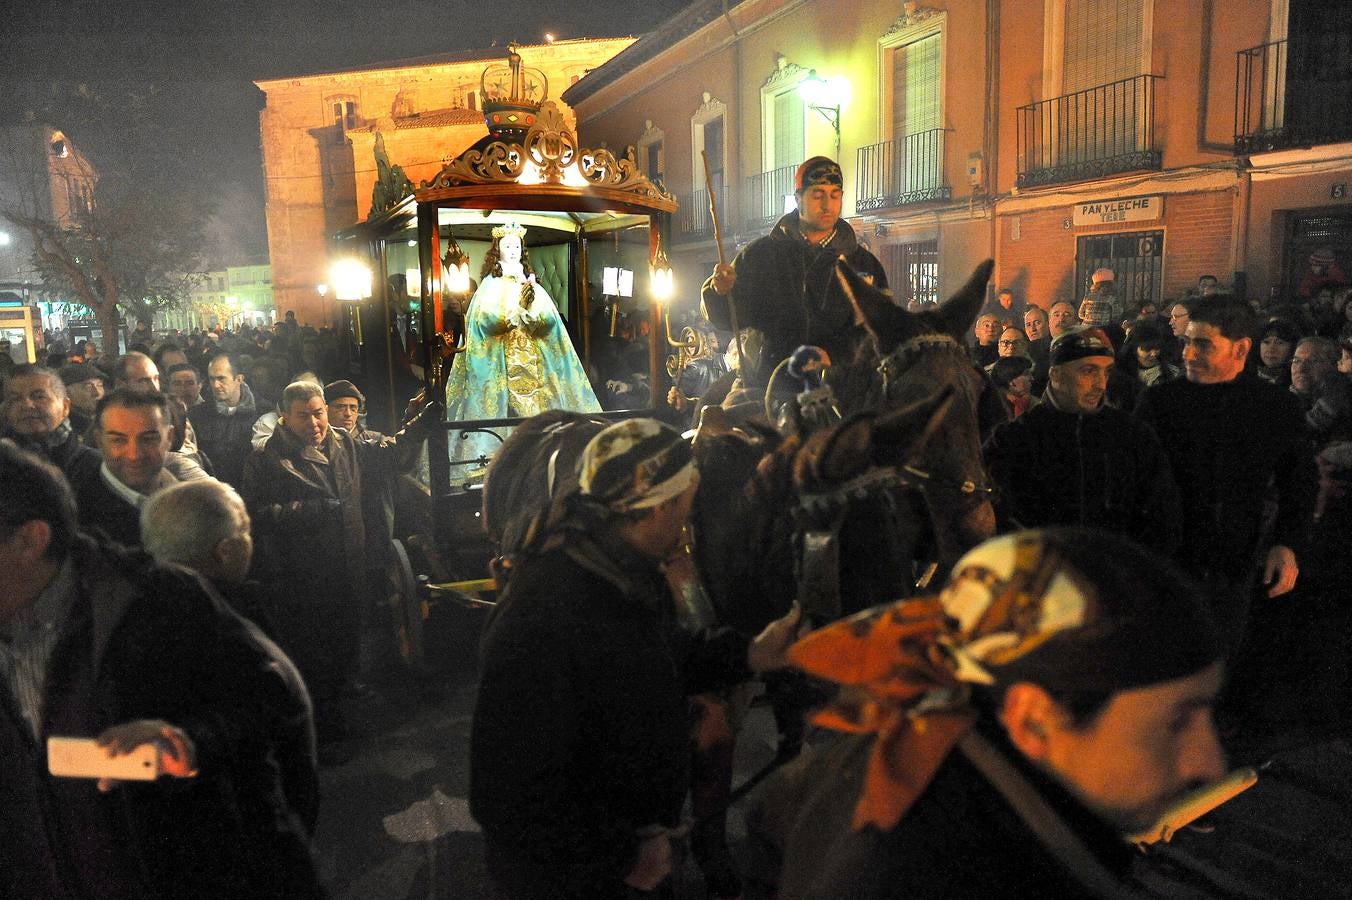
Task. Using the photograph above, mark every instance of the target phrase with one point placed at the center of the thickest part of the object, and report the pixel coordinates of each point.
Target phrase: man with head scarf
(1008, 734)
(580, 743)
(784, 285)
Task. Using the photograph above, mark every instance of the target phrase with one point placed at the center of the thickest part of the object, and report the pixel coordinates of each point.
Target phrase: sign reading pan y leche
(1110, 212)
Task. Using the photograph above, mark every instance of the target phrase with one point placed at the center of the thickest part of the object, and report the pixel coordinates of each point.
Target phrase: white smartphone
(84, 758)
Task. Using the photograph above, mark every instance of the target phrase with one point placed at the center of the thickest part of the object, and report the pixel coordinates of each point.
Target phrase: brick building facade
(319, 134)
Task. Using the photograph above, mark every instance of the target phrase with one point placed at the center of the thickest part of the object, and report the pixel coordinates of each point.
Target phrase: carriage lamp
(351, 280)
(663, 279)
(455, 268)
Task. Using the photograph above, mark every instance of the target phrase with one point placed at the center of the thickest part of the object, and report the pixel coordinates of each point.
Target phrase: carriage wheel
(407, 607)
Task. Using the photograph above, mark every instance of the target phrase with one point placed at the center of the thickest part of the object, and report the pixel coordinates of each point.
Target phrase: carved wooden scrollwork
(551, 144)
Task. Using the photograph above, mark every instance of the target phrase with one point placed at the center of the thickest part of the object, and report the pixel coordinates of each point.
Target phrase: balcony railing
(1260, 98)
(766, 195)
(1293, 97)
(695, 224)
(1089, 134)
(907, 170)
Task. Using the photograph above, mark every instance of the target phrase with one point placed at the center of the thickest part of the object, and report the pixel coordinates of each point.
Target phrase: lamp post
(828, 97)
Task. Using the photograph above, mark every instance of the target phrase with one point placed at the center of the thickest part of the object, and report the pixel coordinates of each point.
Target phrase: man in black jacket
(1229, 437)
(784, 284)
(224, 423)
(134, 435)
(578, 755)
(1072, 460)
(104, 645)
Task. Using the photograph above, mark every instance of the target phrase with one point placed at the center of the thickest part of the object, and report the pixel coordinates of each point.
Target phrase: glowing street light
(827, 96)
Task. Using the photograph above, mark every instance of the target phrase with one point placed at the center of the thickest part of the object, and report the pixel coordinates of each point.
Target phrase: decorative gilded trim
(552, 149)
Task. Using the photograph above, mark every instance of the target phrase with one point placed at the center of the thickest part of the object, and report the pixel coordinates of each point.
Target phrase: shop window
(1137, 261)
(913, 270)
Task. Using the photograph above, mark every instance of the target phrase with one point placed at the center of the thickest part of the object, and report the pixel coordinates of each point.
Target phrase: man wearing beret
(85, 387)
(580, 746)
(1073, 460)
(783, 285)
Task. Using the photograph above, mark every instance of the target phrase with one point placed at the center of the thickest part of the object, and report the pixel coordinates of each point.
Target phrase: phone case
(83, 758)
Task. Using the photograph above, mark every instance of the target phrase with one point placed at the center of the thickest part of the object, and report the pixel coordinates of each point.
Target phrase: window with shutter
(790, 120)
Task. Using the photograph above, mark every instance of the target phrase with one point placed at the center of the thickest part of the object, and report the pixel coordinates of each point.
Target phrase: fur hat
(335, 389)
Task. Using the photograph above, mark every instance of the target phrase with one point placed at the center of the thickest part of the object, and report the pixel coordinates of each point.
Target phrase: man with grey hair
(304, 492)
(37, 418)
(1322, 392)
(203, 525)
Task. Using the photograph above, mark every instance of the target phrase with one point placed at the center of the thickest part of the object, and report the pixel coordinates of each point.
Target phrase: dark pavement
(395, 821)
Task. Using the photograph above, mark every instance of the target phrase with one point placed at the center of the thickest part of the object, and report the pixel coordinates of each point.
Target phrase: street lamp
(828, 97)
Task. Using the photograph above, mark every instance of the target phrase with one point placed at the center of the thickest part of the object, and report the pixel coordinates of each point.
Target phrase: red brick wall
(1040, 264)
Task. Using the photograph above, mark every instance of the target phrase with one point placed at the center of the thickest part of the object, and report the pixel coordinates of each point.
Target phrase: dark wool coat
(1105, 470)
(787, 289)
(226, 439)
(961, 839)
(64, 450)
(1227, 443)
(145, 642)
(581, 734)
(310, 539)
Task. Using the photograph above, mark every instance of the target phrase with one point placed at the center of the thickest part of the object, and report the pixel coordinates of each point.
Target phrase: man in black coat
(1072, 460)
(37, 418)
(580, 743)
(784, 284)
(203, 525)
(109, 646)
(304, 492)
(224, 422)
(1229, 437)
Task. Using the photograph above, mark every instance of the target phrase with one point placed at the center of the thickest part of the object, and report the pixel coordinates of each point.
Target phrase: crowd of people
(1156, 476)
(227, 454)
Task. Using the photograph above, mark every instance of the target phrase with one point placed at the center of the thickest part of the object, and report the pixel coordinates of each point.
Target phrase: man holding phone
(98, 644)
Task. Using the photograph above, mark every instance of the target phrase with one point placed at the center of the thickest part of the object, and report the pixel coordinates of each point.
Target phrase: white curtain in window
(790, 140)
(915, 87)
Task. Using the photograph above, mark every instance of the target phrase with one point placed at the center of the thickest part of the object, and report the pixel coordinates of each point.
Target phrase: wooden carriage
(593, 221)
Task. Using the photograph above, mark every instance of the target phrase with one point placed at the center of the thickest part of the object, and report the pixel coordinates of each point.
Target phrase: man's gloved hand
(725, 276)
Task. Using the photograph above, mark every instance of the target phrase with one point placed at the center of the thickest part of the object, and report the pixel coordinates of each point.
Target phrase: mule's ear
(843, 452)
(959, 312)
(873, 307)
(900, 436)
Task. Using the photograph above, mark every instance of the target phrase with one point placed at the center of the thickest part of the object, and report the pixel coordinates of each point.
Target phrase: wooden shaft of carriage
(722, 260)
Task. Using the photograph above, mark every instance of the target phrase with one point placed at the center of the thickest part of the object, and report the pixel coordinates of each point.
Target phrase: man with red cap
(783, 285)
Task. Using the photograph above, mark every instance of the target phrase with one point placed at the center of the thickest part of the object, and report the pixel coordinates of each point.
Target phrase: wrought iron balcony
(1089, 134)
(1298, 98)
(900, 172)
(766, 195)
(696, 224)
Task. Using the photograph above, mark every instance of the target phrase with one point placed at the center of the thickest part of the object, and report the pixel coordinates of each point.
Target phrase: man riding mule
(932, 507)
(782, 285)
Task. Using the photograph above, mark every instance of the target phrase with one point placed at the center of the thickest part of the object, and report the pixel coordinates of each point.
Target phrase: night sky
(201, 59)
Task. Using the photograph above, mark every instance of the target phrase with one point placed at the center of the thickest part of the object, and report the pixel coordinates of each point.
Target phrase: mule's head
(890, 325)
